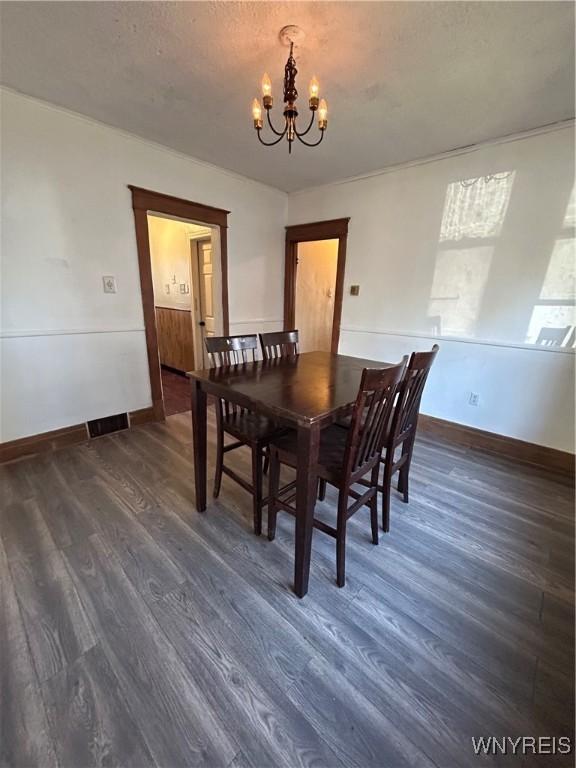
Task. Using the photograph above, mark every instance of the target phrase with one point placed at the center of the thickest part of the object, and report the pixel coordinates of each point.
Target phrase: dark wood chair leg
(404, 483)
(257, 488)
(386, 489)
(341, 540)
(321, 489)
(219, 451)
(407, 449)
(274, 484)
(266, 461)
(374, 504)
(199, 406)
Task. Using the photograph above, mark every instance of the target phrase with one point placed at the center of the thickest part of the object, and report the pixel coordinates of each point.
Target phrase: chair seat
(250, 427)
(330, 456)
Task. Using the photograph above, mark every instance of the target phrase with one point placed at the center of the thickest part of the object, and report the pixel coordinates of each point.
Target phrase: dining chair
(279, 344)
(248, 428)
(403, 428)
(345, 457)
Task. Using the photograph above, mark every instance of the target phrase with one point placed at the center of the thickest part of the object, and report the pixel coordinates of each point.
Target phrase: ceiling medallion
(290, 35)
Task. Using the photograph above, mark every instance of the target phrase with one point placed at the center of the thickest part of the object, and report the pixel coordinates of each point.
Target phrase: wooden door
(334, 229)
(315, 291)
(206, 309)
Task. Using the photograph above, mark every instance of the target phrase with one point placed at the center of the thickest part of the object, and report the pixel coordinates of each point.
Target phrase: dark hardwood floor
(175, 392)
(136, 632)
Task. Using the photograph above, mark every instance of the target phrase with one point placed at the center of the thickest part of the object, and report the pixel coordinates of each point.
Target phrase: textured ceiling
(403, 80)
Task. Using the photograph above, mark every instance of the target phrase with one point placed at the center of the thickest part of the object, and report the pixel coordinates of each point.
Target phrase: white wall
(170, 255)
(69, 352)
(486, 262)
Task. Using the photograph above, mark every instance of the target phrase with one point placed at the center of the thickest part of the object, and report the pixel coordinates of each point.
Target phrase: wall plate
(109, 283)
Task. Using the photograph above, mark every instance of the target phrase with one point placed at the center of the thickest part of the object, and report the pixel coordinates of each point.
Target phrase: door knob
(202, 323)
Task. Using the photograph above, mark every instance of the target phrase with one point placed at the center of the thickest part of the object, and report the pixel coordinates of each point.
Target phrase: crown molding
(457, 152)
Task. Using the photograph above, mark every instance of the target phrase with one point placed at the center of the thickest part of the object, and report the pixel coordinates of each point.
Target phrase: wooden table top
(305, 389)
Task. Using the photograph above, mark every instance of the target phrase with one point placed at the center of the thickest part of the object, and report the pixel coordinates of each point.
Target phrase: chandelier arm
(310, 124)
(278, 133)
(270, 143)
(314, 143)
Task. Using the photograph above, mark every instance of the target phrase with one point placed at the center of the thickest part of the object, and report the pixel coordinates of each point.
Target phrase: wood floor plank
(262, 719)
(356, 728)
(67, 518)
(24, 531)
(497, 655)
(171, 638)
(407, 685)
(170, 708)
(56, 623)
(90, 720)
(152, 572)
(271, 636)
(24, 734)
(537, 574)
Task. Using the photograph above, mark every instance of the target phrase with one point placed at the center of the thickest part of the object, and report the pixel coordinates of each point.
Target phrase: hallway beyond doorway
(176, 392)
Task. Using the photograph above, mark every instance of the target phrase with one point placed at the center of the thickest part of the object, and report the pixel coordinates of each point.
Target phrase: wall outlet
(474, 398)
(109, 284)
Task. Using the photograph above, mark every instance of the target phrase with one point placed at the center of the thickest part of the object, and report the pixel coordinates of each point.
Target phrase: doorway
(314, 282)
(205, 311)
(316, 266)
(168, 230)
(176, 300)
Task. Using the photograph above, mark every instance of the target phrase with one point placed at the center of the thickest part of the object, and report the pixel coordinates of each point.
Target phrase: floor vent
(99, 427)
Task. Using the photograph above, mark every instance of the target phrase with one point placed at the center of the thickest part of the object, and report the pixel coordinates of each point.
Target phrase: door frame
(333, 229)
(146, 201)
(196, 308)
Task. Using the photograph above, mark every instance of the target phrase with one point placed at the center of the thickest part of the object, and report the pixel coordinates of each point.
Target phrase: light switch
(354, 290)
(109, 283)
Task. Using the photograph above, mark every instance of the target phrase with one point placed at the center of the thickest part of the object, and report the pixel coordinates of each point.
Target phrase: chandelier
(289, 35)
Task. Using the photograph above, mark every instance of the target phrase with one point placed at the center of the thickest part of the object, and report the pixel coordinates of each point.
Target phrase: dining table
(305, 392)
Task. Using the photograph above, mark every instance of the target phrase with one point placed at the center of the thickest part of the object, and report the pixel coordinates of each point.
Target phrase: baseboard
(142, 416)
(46, 441)
(61, 438)
(551, 458)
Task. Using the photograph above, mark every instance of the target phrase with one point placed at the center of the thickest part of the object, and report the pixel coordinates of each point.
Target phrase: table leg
(308, 444)
(199, 406)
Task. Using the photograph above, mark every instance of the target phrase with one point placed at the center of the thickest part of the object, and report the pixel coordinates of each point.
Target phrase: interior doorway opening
(182, 257)
(316, 267)
(314, 282)
(184, 276)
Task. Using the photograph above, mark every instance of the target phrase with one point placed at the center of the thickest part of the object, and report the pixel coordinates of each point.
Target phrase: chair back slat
(371, 417)
(231, 350)
(410, 394)
(279, 344)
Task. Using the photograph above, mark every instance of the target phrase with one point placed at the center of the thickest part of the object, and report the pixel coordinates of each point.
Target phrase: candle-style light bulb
(257, 113)
(314, 88)
(322, 114)
(313, 91)
(266, 85)
(266, 91)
